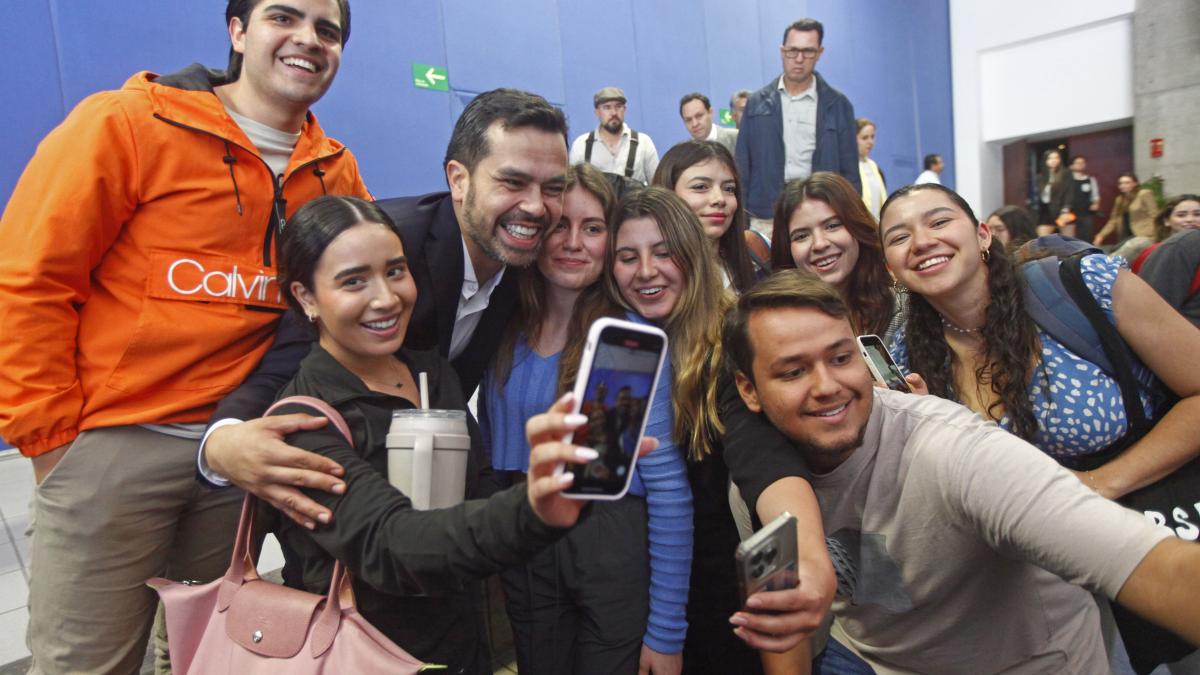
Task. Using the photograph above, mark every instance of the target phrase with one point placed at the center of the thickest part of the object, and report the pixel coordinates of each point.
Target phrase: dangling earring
(985, 255)
(898, 287)
(312, 317)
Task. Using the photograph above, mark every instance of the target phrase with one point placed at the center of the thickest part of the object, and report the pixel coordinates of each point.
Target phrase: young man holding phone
(952, 538)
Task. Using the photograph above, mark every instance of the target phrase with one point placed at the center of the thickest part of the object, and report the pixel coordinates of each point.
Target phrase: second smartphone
(883, 367)
(618, 374)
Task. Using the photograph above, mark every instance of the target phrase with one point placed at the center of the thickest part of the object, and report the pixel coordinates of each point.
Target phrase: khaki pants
(122, 506)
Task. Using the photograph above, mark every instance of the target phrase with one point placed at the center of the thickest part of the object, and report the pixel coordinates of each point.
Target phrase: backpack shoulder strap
(587, 147)
(632, 157)
(1111, 342)
(1053, 308)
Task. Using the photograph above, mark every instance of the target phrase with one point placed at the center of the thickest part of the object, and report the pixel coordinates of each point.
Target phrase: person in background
(822, 226)
(1052, 189)
(737, 105)
(705, 176)
(933, 170)
(1012, 226)
(1132, 217)
(697, 116)
(874, 188)
(613, 147)
(1082, 199)
(1179, 214)
(795, 125)
(138, 287)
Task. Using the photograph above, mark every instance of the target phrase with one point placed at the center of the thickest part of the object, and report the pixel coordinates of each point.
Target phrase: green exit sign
(426, 76)
(725, 117)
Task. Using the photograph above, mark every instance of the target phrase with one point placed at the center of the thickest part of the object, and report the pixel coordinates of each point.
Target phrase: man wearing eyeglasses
(794, 126)
(612, 146)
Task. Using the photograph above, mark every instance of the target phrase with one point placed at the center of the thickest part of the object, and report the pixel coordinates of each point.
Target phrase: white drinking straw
(423, 383)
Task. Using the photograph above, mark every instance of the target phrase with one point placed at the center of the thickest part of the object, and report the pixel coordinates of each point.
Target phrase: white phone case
(581, 381)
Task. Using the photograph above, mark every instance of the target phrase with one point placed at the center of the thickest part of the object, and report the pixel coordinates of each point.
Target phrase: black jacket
(434, 249)
(411, 570)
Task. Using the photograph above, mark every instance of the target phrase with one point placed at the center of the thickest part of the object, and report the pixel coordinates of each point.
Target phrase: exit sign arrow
(430, 77)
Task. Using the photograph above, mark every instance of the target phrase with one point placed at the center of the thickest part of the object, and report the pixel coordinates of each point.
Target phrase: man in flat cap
(612, 146)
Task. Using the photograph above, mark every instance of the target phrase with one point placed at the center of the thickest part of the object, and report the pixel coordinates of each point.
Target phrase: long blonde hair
(694, 324)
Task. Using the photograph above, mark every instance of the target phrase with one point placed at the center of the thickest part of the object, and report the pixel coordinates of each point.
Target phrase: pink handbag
(243, 624)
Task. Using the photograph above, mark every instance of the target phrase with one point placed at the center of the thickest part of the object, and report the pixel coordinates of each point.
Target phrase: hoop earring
(985, 255)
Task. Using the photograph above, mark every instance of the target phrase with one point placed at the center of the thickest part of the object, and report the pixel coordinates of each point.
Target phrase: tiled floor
(16, 488)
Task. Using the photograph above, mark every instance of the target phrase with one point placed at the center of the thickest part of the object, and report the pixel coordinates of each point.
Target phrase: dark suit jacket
(434, 248)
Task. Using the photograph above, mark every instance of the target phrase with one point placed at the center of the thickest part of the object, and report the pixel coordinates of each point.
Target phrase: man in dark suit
(505, 166)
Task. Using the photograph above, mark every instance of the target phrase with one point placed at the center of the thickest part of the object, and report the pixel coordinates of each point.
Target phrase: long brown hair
(1162, 230)
(694, 324)
(1010, 336)
(731, 248)
(868, 289)
(591, 304)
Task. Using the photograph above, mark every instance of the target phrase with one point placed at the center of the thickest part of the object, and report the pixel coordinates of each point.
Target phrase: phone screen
(615, 401)
(882, 365)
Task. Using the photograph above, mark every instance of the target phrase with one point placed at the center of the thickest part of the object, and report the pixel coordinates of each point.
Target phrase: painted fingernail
(338, 488)
(586, 454)
(754, 602)
(575, 419)
(564, 398)
(323, 517)
(737, 620)
(565, 478)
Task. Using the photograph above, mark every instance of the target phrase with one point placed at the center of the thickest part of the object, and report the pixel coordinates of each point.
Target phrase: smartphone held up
(767, 560)
(618, 374)
(883, 366)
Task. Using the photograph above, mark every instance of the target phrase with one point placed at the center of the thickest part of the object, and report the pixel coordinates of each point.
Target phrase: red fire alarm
(1156, 147)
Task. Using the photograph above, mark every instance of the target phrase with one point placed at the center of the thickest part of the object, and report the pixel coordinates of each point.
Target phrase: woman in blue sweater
(582, 605)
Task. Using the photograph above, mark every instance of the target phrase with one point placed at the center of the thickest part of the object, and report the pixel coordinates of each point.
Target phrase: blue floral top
(1078, 407)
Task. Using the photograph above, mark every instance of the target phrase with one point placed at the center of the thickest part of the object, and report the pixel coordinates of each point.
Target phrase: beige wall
(1166, 68)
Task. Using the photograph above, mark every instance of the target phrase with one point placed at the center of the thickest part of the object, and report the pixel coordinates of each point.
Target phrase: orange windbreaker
(137, 265)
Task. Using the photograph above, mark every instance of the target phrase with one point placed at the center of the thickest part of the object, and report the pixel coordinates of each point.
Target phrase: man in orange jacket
(139, 288)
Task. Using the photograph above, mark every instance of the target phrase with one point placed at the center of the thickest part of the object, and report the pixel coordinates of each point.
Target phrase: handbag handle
(243, 567)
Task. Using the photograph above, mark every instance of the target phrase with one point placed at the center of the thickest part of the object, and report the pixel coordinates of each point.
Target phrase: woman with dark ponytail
(969, 335)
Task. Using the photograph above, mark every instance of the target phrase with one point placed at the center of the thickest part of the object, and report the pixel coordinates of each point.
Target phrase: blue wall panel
(397, 131)
(103, 43)
(597, 51)
(734, 61)
(891, 57)
(671, 63)
(34, 82)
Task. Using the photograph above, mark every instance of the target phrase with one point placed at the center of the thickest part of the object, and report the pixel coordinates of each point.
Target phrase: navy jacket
(760, 153)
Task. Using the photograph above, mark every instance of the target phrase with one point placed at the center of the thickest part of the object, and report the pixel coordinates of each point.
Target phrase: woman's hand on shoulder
(544, 485)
